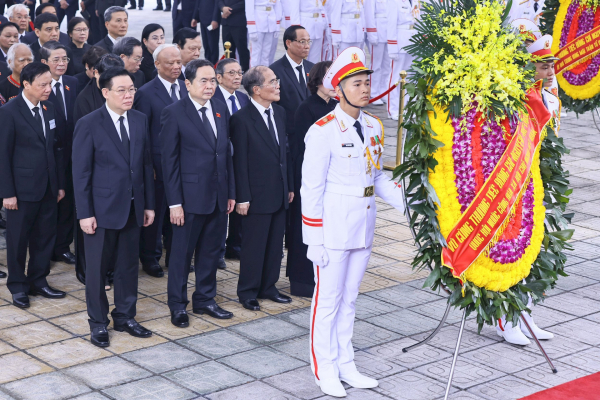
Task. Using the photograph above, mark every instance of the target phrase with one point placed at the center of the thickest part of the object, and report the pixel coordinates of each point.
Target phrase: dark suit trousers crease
(260, 258)
(151, 246)
(69, 12)
(66, 216)
(234, 235)
(33, 225)
(181, 20)
(201, 233)
(210, 39)
(99, 249)
(238, 37)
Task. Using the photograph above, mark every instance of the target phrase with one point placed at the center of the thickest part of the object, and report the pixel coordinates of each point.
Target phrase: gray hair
(253, 77)
(220, 70)
(10, 55)
(161, 48)
(111, 10)
(49, 47)
(14, 8)
(126, 45)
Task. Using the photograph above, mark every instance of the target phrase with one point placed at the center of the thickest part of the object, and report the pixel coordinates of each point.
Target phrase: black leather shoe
(280, 298)
(180, 318)
(221, 264)
(154, 270)
(21, 300)
(167, 9)
(214, 311)
(2, 223)
(99, 337)
(47, 292)
(251, 304)
(157, 9)
(67, 257)
(3, 274)
(80, 275)
(231, 254)
(134, 329)
(192, 269)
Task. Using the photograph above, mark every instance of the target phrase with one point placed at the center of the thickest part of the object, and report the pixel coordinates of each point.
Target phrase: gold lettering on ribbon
(579, 50)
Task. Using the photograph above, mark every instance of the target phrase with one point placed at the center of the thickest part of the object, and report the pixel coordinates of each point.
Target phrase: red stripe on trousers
(312, 332)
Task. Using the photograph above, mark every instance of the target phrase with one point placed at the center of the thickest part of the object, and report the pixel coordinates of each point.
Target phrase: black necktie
(535, 6)
(271, 127)
(174, 92)
(301, 77)
(233, 105)
(59, 97)
(359, 131)
(124, 136)
(206, 123)
(38, 118)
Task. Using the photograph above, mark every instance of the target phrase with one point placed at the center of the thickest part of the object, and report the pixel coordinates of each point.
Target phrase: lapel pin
(44, 107)
(66, 87)
(218, 115)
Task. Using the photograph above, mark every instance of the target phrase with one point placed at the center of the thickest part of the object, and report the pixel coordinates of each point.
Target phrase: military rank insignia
(325, 120)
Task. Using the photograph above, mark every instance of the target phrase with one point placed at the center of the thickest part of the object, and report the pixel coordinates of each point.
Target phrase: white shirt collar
(114, 116)
(348, 119)
(3, 53)
(226, 94)
(168, 84)
(55, 82)
(30, 104)
(112, 39)
(198, 106)
(183, 69)
(292, 62)
(260, 108)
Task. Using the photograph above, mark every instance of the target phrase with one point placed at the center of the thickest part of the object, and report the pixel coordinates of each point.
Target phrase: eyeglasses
(303, 42)
(274, 83)
(234, 73)
(138, 59)
(157, 38)
(121, 92)
(64, 60)
(82, 30)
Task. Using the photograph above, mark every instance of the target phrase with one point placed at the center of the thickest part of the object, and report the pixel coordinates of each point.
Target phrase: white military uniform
(263, 20)
(338, 212)
(347, 24)
(286, 7)
(402, 16)
(553, 104)
(376, 16)
(311, 15)
(528, 9)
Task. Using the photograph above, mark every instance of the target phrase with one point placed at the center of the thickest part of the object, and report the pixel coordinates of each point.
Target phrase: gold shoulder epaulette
(372, 115)
(523, 2)
(325, 120)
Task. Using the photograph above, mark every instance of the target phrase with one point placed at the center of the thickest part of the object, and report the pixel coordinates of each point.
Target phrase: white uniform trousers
(393, 98)
(261, 50)
(333, 310)
(315, 53)
(327, 53)
(381, 66)
(344, 45)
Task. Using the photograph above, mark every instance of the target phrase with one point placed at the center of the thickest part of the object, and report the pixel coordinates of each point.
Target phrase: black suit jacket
(4, 71)
(151, 99)
(263, 172)
(106, 44)
(238, 12)
(65, 124)
(102, 5)
(241, 96)
(207, 11)
(90, 99)
(197, 169)
(31, 37)
(28, 160)
(188, 7)
(105, 177)
(292, 94)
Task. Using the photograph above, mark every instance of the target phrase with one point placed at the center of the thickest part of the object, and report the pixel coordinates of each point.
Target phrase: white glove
(318, 255)
(253, 36)
(372, 38)
(394, 56)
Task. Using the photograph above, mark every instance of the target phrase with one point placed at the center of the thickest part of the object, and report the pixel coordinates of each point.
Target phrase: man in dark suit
(229, 75)
(130, 51)
(116, 22)
(264, 186)
(200, 189)
(31, 37)
(114, 191)
(101, 7)
(63, 96)
(182, 14)
(4, 71)
(151, 99)
(66, 8)
(209, 16)
(46, 30)
(233, 20)
(31, 183)
(189, 43)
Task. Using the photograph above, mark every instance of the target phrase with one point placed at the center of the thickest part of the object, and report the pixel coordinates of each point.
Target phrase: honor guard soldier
(347, 24)
(286, 9)
(263, 18)
(403, 14)
(341, 174)
(530, 9)
(311, 15)
(376, 16)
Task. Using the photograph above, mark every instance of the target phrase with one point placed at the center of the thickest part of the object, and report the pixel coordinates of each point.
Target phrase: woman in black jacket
(153, 36)
(79, 31)
(315, 107)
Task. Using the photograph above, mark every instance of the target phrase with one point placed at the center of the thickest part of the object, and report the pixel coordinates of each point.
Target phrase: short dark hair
(40, 9)
(92, 56)
(7, 25)
(107, 76)
(148, 29)
(220, 70)
(32, 71)
(49, 47)
(182, 35)
(44, 19)
(126, 45)
(291, 34)
(316, 75)
(192, 67)
(107, 62)
(76, 21)
(253, 77)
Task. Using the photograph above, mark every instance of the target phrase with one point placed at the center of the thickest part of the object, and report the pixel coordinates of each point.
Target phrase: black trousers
(167, 3)
(151, 245)
(234, 235)
(99, 249)
(181, 20)
(238, 37)
(210, 40)
(260, 258)
(95, 31)
(133, 3)
(33, 225)
(66, 216)
(69, 12)
(201, 233)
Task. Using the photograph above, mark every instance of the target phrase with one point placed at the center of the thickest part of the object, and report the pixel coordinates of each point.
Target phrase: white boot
(331, 386)
(539, 333)
(358, 380)
(512, 334)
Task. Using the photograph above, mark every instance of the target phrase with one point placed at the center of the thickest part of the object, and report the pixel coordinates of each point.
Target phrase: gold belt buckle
(315, 15)
(369, 191)
(268, 8)
(356, 16)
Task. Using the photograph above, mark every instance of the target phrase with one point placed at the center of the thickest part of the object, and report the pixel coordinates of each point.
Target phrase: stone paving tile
(298, 317)
(591, 292)
(466, 374)
(19, 365)
(588, 360)
(506, 388)
(372, 365)
(371, 282)
(358, 394)
(392, 352)
(48, 308)
(240, 315)
(33, 335)
(572, 282)
(367, 307)
(369, 335)
(107, 372)
(405, 322)
(542, 375)
(504, 357)
(262, 362)
(4, 396)
(53, 386)
(404, 296)
(164, 357)
(90, 396)
(411, 385)
(208, 377)
(13, 316)
(6, 348)
(156, 387)
(436, 309)
(446, 339)
(164, 327)
(122, 342)
(68, 353)
(76, 324)
(461, 396)
(573, 304)
(269, 330)
(252, 391)
(545, 317)
(298, 348)
(300, 382)
(218, 344)
(557, 347)
(580, 329)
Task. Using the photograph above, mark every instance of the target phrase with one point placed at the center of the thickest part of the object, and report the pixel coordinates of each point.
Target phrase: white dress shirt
(296, 65)
(227, 95)
(209, 113)
(183, 70)
(261, 110)
(40, 111)
(115, 118)
(169, 84)
(3, 53)
(112, 39)
(62, 91)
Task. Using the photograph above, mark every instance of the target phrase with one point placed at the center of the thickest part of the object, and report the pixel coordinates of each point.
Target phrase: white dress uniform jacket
(347, 23)
(311, 15)
(526, 9)
(263, 20)
(553, 104)
(378, 24)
